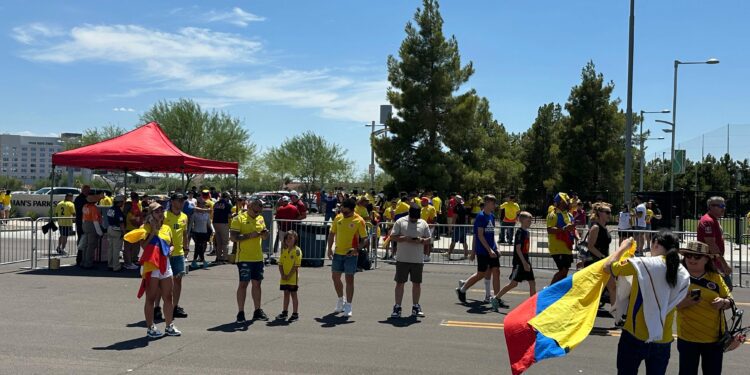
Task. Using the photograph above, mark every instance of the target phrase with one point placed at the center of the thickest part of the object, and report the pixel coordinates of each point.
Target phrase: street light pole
(629, 124)
(674, 111)
(642, 158)
(372, 157)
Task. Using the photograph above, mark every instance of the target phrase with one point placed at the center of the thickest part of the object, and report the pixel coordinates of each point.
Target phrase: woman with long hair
(599, 240)
(660, 282)
(699, 316)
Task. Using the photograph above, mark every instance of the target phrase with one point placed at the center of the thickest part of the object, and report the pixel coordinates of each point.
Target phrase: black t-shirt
(222, 211)
(521, 238)
(79, 202)
(460, 214)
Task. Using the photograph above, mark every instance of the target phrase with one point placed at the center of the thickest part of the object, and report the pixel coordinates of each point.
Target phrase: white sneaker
(339, 305)
(348, 309)
(171, 330)
(154, 333)
(461, 283)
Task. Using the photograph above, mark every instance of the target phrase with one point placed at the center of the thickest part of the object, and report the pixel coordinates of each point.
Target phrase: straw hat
(695, 247)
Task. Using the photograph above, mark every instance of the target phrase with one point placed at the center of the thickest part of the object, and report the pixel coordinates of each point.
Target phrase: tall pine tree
(423, 80)
(592, 141)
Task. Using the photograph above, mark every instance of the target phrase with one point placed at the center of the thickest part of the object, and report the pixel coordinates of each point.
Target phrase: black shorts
(66, 231)
(485, 261)
(519, 274)
(563, 260)
(291, 288)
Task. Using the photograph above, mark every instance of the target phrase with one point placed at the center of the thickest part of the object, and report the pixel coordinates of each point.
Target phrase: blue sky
(289, 66)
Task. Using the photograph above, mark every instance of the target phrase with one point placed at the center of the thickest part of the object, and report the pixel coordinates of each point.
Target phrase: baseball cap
(425, 200)
(459, 198)
(153, 206)
(285, 199)
(294, 193)
(562, 197)
(490, 197)
(177, 196)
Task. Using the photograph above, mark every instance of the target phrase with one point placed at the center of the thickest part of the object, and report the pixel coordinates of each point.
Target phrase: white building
(29, 158)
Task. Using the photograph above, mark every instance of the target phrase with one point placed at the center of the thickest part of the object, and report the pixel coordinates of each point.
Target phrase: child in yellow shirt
(289, 262)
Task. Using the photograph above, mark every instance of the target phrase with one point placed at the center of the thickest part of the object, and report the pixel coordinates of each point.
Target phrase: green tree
(541, 174)
(423, 80)
(310, 159)
(94, 135)
(591, 143)
(212, 135)
(10, 183)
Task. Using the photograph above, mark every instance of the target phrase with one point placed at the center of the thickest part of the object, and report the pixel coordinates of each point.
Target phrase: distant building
(29, 158)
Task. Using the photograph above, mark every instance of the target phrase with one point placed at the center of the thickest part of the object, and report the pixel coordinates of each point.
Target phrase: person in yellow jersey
(699, 316)
(397, 211)
(561, 233)
(437, 202)
(290, 261)
(106, 199)
(475, 203)
(5, 197)
(361, 209)
(510, 210)
(66, 210)
(660, 283)
(429, 215)
(177, 221)
(248, 229)
(349, 233)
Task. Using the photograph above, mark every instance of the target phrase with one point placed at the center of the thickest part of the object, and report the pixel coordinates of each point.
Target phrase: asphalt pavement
(72, 321)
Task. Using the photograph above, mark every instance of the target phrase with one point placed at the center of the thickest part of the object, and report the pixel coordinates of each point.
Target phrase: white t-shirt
(640, 220)
(624, 222)
(410, 252)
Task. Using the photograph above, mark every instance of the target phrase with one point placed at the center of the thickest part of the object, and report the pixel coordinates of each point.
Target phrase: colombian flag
(155, 256)
(555, 320)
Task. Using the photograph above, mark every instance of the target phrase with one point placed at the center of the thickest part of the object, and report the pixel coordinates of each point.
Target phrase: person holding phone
(413, 233)
(249, 230)
(699, 316)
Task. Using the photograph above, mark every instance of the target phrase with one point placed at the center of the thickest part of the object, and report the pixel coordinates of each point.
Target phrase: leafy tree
(310, 159)
(94, 135)
(213, 135)
(591, 142)
(540, 153)
(10, 183)
(423, 80)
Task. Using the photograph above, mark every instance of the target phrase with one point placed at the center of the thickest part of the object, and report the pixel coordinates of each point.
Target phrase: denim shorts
(344, 264)
(178, 265)
(250, 271)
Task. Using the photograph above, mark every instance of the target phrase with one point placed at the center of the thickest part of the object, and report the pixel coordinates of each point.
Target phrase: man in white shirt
(640, 222)
(412, 234)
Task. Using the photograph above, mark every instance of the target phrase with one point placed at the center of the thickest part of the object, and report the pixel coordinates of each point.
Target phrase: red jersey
(301, 207)
(286, 212)
(709, 227)
(451, 207)
(91, 213)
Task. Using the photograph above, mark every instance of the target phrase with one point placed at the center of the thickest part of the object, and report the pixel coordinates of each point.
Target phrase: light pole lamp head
(712, 61)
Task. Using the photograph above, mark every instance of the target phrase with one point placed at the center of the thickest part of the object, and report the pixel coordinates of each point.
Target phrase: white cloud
(236, 16)
(221, 68)
(27, 133)
(28, 34)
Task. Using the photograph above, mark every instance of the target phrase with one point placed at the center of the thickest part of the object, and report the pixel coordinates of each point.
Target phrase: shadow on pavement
(332, 320)
(231, 327)
(477, 307)
(99, 270)
(136, 343)
(141, 324)
(401, 322)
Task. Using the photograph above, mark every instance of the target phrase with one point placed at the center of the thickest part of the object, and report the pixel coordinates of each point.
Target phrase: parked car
(57, 190)
(270, 198)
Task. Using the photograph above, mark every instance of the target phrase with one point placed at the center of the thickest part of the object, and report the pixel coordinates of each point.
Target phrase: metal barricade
(16, 240)
(312, 239)
(58, 241)
(448, 243)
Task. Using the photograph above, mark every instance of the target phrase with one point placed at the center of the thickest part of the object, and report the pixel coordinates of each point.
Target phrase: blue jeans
(631, 352)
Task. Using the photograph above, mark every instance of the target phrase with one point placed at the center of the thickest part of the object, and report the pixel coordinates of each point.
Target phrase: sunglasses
(722, 206)
(693, 256)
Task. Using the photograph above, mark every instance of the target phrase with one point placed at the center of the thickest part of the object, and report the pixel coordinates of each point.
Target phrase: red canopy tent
(146, 148)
